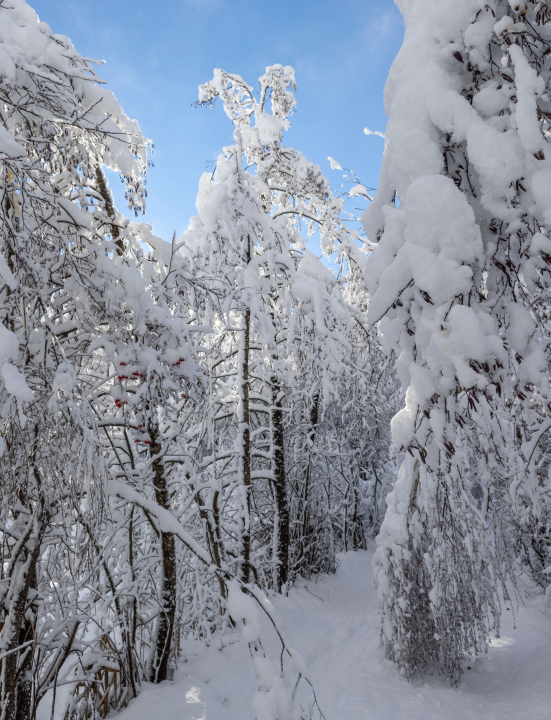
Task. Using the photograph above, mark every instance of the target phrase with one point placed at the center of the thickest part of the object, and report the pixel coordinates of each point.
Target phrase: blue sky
(157, 53)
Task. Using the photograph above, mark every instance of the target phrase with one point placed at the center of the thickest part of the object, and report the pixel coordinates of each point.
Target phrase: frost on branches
(460, 285)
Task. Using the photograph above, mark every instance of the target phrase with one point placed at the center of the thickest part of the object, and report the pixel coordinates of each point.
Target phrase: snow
(541, 189)
(459, 223)
(15, 383)
(367, 131)
(8, 145)
(332, 622)
(9, 345)
(243, 607)
(529, 87)
(358, 190)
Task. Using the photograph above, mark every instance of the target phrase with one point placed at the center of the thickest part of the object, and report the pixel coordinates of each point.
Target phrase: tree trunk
(211, 521)
(244, 417)
(159, 666)
(245, 458)
(24, 680)
(104, 192)
(16, 686)
(314, 414)
(281, 524)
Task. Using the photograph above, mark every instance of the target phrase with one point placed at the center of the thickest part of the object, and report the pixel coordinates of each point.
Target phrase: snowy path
(339, 639)
(333, 623)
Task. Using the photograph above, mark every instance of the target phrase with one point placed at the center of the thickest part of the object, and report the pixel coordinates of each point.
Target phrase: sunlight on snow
(193, 695)
(502, 642)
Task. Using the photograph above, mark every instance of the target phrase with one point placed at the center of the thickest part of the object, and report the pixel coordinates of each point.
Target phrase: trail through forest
(333, 623)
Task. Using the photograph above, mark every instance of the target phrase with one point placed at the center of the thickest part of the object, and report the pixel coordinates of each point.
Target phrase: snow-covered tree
(294, 314)
(459, 285)
(183, 426)
(58, 126)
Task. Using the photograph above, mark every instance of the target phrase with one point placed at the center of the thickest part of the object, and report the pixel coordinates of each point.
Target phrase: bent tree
(459, 287)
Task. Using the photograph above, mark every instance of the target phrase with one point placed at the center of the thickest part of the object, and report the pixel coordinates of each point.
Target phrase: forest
(207, 439)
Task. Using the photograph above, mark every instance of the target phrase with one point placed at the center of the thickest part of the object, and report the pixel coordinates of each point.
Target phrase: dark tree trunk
(244, 569)
(281, 525)
(16, 681)
(245, 554)
(314, 416)
(211, 521)
(165, 628)
(24, 680)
